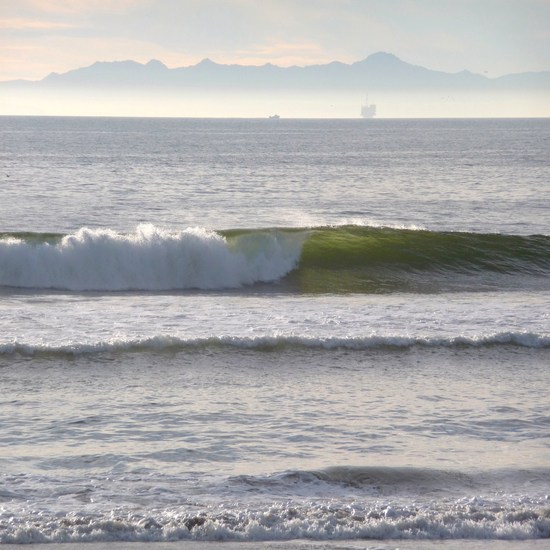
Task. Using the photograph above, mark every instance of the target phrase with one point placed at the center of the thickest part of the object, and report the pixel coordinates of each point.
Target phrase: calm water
(270, 330)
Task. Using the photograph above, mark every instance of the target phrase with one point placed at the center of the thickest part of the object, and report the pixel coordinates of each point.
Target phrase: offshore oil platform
(368, 110)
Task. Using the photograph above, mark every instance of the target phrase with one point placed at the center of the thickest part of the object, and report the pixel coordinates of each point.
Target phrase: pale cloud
(74, 7)
(285, 54)
(17, 24)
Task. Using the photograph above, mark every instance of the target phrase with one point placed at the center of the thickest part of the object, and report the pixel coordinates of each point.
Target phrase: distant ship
(368, 111)
(274, 117)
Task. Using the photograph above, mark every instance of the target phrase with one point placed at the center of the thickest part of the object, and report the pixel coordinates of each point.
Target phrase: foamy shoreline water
(471, 544)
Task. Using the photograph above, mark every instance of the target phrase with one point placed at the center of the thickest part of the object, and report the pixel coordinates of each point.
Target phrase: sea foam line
(277, 342)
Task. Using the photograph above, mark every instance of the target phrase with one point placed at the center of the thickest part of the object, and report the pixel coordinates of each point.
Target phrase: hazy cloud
(20, 24)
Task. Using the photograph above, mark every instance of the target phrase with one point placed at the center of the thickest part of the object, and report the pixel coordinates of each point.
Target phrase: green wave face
(374, 260)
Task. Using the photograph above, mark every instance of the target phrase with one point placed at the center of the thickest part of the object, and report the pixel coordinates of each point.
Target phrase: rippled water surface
(257, 330)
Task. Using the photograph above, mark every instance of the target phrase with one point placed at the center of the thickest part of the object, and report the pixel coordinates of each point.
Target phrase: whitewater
(291, 334)
(149, 259)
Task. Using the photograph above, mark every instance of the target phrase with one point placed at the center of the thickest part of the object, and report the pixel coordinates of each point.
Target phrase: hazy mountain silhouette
(380, 71)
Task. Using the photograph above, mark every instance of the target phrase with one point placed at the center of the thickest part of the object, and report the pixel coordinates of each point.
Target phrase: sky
(490, 37)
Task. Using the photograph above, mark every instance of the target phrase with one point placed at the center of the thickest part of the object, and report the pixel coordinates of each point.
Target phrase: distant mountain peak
(206, 62)
(156, 64)
(383, 56)
(381, 60)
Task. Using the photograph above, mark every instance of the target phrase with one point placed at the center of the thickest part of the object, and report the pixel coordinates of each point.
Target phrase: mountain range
(379, 71)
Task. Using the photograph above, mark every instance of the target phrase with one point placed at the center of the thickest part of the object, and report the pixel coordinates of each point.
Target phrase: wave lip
(148, 259)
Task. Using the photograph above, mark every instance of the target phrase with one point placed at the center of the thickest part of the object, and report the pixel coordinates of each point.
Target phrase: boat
(368, 110)
(274, 117)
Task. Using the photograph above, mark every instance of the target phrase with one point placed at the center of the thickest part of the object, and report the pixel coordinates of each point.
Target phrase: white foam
(148, 259)
(317, 520)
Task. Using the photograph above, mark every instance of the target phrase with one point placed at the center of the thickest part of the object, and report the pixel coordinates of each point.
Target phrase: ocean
(328, 333)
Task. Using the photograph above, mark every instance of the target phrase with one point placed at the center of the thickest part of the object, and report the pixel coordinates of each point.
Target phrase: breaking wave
(376, 503)
(308, 260)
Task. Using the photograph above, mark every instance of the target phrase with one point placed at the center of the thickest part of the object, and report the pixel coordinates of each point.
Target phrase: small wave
(277, 342)
(387, 480)
(373, 481)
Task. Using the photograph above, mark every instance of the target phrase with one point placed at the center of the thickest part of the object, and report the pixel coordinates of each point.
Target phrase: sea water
(268, 330)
